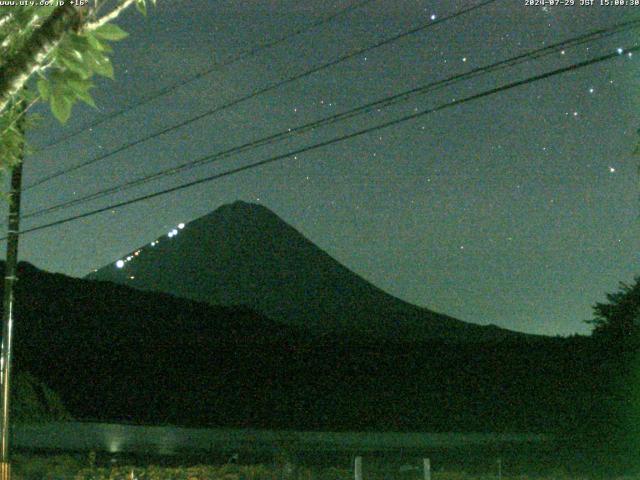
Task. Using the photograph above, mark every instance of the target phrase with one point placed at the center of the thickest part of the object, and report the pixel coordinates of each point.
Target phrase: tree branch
(17, 69)
(113, 14)
(20, 115)
(5, 18)
(20, 66)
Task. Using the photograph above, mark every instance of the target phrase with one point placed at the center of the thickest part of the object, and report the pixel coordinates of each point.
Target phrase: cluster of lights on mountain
(172, 233)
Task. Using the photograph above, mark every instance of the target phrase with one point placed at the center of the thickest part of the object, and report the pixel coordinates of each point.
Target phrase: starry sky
(519, 209)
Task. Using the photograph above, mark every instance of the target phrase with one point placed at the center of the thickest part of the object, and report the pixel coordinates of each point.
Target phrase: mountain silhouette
(244, 254)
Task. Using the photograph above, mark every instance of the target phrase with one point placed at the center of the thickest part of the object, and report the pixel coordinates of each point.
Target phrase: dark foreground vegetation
(117, 354)
(70, 467)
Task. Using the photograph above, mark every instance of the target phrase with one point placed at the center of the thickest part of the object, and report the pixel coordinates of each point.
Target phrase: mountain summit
(244, 254)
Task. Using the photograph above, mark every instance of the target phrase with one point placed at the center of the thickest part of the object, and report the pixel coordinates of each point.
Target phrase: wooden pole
(426, 464)
(358, 468)
(10, 277)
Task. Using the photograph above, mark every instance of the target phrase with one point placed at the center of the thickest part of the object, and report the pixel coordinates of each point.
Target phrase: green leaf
(43, 88)
(96, 44)
(110, 32)
(78, 84)
(80, 89)
(86, 98)
(82, 68)
(72, 53)
(100, 63)
(141, 5)
(61, 107)
(104, 67)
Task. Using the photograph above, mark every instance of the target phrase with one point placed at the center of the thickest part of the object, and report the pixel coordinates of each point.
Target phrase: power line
(259, 92)
(382, 103)
(334, 140)
(216, 66)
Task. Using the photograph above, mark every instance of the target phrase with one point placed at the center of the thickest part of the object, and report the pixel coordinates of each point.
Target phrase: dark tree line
(613, 427)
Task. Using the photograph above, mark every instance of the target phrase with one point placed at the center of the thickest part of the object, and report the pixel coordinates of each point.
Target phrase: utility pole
(10, 277)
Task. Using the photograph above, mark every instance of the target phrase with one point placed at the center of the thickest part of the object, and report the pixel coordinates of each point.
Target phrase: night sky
(518, 209)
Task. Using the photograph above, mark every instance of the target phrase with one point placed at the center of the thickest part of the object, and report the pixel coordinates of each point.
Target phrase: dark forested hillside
(113, 353)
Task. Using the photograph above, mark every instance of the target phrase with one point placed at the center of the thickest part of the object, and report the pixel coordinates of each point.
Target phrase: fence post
(358, 468)
(426, 463)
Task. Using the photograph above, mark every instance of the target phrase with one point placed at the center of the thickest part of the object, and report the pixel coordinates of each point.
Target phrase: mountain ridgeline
(244, 254)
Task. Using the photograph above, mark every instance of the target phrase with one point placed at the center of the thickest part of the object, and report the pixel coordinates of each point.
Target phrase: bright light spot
(120, 263)
(174, 231)
(575, 114)
(591, 90)
(114, 445)
(170, 234)
(464, 59)
(433, 16)
(181, 226)
(630, 54)
(619, 50)
(612, 170)
(129, 258)
(562, 52)
(132, 277)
